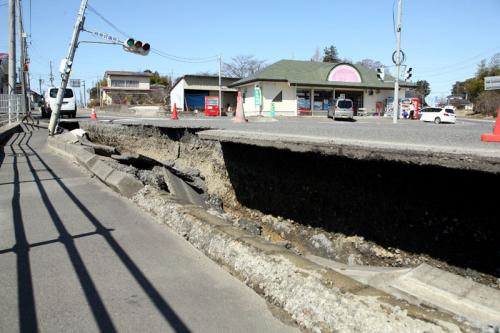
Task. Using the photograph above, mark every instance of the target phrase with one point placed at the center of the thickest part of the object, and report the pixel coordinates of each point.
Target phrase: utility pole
(220, 86)
(51, 76)
(40, 81)
(12, 47)
(22, 47)
(68, 62)
(395, 105)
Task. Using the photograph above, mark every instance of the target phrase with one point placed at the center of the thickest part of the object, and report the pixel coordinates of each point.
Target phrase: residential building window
(125, 83)
(278, 98)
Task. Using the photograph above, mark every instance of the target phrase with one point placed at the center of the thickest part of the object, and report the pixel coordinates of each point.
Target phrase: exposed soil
(254, 197)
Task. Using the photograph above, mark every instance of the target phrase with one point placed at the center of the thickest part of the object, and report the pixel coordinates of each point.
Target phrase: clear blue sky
(444, 40)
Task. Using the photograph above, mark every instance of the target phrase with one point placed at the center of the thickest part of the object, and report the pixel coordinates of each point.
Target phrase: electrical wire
(92, 9)
(459, 65)
(185, 60)
(156, 51)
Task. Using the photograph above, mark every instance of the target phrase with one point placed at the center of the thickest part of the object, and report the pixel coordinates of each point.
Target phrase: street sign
(75, 83)
(258, 96)
(491, 82)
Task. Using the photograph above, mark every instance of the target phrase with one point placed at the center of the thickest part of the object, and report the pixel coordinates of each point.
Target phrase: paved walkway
(76, 257)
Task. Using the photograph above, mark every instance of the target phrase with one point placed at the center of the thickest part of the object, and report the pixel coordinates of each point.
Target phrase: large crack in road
(353, 211)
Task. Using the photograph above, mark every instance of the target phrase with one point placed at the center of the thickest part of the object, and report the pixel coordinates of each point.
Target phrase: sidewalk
(74, 256)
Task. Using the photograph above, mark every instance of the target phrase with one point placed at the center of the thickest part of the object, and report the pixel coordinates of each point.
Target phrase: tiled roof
(124, 73)
(311, 73)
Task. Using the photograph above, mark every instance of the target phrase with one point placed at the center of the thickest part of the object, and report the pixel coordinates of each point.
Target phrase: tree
(317, 56)
(242, 66)
(485, 102)
(458, 89)
(371, 64)
(423, 89)
(331, 54)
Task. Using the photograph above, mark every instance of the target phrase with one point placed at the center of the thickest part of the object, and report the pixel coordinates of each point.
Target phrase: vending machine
(212, 106)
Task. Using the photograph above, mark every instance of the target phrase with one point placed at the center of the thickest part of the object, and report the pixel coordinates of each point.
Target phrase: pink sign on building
(344, 73)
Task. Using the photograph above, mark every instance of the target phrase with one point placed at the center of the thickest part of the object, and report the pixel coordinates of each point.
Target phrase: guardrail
(12, 108)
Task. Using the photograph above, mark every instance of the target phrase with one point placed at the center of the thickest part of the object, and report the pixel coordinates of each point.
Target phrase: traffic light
(136, 46)
(381, 73)
(408, 73)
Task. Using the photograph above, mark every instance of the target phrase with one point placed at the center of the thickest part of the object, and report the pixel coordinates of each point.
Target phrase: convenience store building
(294, 88)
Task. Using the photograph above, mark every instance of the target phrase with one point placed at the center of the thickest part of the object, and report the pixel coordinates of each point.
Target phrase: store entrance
(355, 96)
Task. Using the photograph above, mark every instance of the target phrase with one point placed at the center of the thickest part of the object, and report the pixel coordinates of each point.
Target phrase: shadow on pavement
(27, 310)
(26, 300)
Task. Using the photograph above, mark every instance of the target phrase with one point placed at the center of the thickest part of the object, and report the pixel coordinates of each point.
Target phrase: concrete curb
(121, 182)
(317, 298)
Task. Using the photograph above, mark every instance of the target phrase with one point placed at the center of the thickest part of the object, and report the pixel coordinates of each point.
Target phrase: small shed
(189, 91)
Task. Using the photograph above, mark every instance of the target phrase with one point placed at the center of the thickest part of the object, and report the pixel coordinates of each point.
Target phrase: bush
(487, 103)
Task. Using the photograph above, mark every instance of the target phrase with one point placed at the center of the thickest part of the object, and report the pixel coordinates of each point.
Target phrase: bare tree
(371, 64)
(242, 66)
(317, 57)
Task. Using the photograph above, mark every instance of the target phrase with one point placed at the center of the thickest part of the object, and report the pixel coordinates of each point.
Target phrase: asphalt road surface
(76, 257)
(465, 134)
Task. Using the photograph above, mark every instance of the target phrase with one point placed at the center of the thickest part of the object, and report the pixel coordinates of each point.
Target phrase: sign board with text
(491, 82)
(75, 83)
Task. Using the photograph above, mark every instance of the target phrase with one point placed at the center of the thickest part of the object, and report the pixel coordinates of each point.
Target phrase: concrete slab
(451, 292)
(429, 286)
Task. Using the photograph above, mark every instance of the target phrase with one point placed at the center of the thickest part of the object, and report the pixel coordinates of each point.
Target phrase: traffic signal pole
(395, 105)
(12, 48)
(67, 66)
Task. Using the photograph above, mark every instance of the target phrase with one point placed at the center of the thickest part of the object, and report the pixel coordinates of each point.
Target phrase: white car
(437, 115)
(342, 108)
(68, 106)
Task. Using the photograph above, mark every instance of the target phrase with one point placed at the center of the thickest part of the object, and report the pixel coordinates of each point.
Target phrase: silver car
(342, 108)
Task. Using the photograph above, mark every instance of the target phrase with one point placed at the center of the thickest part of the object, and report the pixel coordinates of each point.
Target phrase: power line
(156, 51)
(185, 60)
(92, 9)
(460, 63)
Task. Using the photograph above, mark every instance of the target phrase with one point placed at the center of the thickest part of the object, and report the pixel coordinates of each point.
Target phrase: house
(124, 87)
(291, 88)
(189, 91)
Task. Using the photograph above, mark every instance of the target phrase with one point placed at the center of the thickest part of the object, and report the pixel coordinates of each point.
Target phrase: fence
(12, 108)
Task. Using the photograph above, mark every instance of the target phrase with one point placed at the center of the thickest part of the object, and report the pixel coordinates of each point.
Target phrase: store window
(304, 100)
(322, 99)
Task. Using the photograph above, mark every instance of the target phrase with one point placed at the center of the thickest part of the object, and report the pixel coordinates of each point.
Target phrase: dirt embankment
(350, 211)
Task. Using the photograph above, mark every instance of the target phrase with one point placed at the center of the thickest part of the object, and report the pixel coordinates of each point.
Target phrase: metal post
(12, 57)
(84, 95)
(220, 86)
(67, 66)
(395, 104)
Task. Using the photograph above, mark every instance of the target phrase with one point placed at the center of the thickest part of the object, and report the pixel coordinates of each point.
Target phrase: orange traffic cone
(495, 136)
(240, 114)
(93, 115)
(174, 113)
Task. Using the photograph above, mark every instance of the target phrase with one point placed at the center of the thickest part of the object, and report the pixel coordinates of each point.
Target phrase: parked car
(341, 108)
(437, 115)
(68, 106)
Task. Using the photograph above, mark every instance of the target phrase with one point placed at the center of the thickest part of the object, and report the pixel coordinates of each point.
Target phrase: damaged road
(192, 160)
